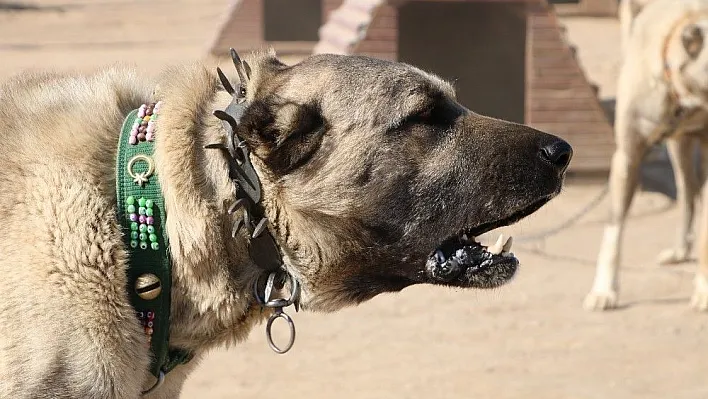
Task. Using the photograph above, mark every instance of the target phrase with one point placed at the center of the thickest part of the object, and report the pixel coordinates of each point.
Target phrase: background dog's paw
(699, 301)
(597, 301)
(673, 256)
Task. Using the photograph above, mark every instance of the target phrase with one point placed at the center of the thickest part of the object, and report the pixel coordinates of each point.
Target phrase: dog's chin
(461, 261)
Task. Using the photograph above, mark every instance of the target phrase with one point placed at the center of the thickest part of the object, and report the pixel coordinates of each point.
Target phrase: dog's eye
(438, 114)
(425, 116)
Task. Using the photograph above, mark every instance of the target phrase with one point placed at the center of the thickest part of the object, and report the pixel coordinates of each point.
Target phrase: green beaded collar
(141, 214)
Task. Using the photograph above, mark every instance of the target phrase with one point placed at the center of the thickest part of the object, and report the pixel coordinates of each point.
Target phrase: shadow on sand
(8, 6)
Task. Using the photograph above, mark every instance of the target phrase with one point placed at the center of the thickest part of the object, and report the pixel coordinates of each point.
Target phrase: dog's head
(688, 55)
(376, 178)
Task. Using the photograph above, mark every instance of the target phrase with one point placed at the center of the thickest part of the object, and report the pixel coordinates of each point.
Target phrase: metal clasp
(278, 304)
(280, 314)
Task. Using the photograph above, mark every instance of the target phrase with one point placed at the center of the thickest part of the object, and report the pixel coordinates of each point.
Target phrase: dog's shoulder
(62, 257)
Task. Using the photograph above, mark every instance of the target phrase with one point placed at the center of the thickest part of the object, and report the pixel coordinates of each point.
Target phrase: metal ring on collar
(269, 336)
(278, 302)
(160, 380)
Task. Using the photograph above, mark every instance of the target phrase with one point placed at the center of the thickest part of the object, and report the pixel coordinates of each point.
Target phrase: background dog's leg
(624, 172)
(699, 300)
(681, 152)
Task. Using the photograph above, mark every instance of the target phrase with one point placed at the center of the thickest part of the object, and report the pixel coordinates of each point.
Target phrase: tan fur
(627, 12)
(67, 328)
(659, 72)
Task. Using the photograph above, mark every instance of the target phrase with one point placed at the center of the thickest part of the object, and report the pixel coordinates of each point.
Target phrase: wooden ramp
(516, 66)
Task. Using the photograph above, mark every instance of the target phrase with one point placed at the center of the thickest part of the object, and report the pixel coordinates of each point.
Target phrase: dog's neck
(212, 272)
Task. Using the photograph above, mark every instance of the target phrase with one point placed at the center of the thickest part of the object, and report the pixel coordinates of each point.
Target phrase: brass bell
(148, 286)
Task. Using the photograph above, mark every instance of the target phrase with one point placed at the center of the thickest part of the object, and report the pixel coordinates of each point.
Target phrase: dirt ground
(530, 339)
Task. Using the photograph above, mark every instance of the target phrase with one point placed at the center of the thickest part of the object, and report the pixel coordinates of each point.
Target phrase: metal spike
(225, 81)
(247, 68)
(226, 117)
(269, 288)
(259, 228)
(247, 219)
(236, 205)
(218, 146)
(239, 65)
(234, 56)
(237, 227)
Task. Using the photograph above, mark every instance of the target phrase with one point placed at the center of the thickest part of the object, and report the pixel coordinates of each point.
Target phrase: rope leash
(543, 235)
(592, 204)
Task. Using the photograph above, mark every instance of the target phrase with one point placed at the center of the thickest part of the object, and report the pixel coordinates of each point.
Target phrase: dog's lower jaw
(493, 275)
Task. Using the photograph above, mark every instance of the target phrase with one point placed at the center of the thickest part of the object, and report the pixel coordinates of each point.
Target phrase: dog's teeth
(497, 247)
(439, 256)
(507, 244)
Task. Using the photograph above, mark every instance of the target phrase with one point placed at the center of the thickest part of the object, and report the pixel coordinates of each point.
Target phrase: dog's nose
(557, 153)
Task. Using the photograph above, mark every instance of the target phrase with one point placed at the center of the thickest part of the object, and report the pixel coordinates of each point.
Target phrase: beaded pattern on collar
(144, 125)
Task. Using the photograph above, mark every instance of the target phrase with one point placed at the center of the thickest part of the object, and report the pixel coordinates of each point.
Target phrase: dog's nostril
(557, 153)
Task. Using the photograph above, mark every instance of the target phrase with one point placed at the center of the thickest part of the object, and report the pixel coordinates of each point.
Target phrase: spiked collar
(263, 250)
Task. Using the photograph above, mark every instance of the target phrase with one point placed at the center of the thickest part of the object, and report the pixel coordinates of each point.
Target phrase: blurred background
(553, 66)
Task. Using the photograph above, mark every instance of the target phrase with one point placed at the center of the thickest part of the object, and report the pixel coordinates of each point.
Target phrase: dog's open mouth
(462, 261)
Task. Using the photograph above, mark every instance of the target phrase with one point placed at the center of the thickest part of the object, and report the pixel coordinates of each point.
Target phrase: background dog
(661, 94)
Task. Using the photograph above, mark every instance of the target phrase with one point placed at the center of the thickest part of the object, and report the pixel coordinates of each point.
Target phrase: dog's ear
(264, 71)
(283, 134)
(692, 39)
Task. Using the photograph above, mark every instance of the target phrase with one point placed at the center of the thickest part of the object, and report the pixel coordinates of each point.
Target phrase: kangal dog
(368, 174)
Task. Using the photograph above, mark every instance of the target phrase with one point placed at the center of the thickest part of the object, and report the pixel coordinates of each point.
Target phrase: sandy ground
(529, 339)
